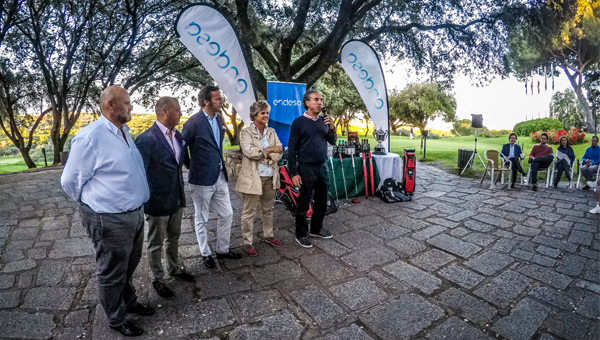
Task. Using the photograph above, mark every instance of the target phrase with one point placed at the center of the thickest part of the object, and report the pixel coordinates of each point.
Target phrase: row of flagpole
(538, 82)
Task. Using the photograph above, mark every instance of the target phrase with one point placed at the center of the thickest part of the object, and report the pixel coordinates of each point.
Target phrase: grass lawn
(14, 164)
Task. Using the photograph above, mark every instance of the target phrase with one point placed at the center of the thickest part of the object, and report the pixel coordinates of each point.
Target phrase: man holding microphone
(307, 156)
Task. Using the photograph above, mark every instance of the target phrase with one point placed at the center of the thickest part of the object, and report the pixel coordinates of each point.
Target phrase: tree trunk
(590, 125)
(233, 136)
(28, 161)
(58, 148)
(422, 128)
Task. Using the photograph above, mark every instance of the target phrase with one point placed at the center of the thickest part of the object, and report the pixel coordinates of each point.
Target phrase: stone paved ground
(458, 262)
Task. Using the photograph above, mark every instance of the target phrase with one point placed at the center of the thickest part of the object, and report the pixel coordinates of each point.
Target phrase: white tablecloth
(388, 166)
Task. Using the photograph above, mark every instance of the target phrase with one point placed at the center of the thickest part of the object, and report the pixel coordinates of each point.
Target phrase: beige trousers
(164, 230)
(251, 203)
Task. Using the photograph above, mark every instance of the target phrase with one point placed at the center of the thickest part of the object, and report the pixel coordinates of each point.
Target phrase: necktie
(170, 135)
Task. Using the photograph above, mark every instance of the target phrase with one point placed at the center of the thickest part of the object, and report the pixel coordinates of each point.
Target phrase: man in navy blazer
(512, 152)
(161, 147)
(203, 134)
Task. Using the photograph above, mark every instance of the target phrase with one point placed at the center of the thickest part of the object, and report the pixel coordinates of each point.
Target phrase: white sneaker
(596, 210)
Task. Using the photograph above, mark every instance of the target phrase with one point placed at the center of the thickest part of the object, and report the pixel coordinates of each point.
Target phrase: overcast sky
(503, 102)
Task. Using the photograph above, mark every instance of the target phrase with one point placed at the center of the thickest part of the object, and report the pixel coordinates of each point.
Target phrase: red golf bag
(409, 174)
(288, 193)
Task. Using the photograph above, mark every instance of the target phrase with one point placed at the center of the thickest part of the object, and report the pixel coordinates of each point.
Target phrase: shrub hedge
(543, 124)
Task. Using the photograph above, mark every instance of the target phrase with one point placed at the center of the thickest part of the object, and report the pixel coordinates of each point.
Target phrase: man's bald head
(168, 111)
(164, 103)
(115, 105)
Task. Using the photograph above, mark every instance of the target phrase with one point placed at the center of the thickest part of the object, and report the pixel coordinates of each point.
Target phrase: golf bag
(288, 194)
(409, 174)
(392, 192)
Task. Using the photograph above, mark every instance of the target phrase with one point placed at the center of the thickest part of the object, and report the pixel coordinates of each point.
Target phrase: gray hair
(306, 98)
(257, 107)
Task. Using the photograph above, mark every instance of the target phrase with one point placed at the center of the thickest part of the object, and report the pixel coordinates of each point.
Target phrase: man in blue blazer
(512, 152)
(203, 134)
(161, 147)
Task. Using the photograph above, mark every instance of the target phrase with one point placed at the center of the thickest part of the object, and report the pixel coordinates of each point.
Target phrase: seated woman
(259, 175)
(564, 159)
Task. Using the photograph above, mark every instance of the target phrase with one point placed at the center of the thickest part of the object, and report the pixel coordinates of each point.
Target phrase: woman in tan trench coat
(259, 175)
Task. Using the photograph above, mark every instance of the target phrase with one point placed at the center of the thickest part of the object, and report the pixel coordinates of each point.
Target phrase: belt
(124, 212)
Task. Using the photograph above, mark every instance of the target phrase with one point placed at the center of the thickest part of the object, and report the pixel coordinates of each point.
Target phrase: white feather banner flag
(214, 42)
(362, 65)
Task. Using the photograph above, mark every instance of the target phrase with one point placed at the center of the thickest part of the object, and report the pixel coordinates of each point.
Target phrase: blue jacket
(506, 150)
(164, 174)
(206, 157)
(593, 154)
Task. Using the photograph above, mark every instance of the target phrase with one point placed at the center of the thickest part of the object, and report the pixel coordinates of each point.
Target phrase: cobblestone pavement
(458, 262)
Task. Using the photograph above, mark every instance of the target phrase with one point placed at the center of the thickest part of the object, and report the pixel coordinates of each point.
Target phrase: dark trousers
(516, 166)
(539, 163)
(117, 240)
(562, 166)
(588, 171)
(314, 185)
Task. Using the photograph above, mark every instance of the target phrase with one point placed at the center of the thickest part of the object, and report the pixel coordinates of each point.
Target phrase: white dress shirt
(264, 170)
(214, 126)
(171, 140)
(103, 171)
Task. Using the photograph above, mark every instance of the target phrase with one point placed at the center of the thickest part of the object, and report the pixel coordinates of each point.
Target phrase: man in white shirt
(105, 174)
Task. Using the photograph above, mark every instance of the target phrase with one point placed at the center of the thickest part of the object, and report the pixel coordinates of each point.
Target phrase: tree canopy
(563, 34)
(565, 107)
(298, 41)
(77, 48)
(418, 104)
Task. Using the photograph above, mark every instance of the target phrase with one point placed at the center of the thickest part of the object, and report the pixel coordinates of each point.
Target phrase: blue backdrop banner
(286, 105)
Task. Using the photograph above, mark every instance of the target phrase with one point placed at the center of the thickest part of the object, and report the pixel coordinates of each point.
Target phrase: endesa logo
(221, 58)
(287, 102)
(367, 81)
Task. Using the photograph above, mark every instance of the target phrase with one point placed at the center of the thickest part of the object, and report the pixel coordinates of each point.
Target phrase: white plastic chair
(554, 171)
(547, 171)
(595, 179)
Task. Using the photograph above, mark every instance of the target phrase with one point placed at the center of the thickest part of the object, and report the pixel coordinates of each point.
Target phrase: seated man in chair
(590, 162)
(512, 152)
(541, 156)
